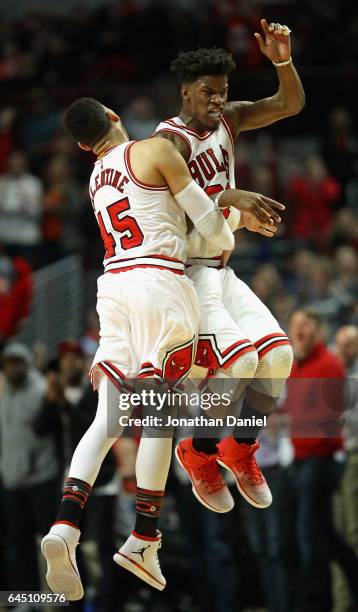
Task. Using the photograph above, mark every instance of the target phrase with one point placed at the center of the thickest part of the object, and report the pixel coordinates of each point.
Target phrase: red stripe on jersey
(135, 180)
(190, 131)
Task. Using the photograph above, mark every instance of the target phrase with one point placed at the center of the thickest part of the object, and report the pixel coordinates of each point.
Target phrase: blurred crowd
(300, 554)
(309, 163)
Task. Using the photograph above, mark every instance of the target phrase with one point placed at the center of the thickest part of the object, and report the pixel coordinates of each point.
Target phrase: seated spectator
(15, 295)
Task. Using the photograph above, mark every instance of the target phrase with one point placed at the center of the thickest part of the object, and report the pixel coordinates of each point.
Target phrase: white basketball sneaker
(59, 549)
(139, 555)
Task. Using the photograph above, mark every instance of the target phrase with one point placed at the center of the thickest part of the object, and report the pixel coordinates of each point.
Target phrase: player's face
(205, 100)
(304, 334)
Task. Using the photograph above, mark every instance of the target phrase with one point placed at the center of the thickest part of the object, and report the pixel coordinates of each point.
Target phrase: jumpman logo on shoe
(141, 551)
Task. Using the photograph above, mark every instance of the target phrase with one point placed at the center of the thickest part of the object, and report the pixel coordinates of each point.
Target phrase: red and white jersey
(141, 225)
(211, 165)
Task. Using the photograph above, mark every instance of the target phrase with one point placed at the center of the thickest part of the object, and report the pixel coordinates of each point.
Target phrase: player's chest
(210, 162)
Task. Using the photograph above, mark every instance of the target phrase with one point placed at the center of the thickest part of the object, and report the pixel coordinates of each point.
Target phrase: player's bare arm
(157, 161)
(275, 44)
(177, 141)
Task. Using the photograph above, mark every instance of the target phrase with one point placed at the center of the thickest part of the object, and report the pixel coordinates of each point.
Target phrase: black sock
(205, 445)
(247, 434)
(148, 506)
(75, 495)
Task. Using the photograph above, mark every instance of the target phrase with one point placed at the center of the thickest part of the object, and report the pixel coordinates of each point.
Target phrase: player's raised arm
(275, 43)
(206, 217)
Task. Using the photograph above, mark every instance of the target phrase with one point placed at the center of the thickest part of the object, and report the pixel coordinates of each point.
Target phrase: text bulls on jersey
(206, 165)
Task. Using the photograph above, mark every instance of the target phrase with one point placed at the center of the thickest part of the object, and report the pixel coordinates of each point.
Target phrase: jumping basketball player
(149, 316)
(238, 336)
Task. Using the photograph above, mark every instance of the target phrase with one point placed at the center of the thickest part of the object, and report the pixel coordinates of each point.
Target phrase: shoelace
(247, 464)
(209, 473)
(250, 467)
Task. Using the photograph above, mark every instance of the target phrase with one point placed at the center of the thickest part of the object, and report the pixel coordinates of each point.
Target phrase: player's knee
(273, 370)
(245, 366)
(280, 360)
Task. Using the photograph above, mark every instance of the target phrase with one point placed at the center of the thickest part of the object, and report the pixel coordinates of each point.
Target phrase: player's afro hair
(191, 65)
(86, 120)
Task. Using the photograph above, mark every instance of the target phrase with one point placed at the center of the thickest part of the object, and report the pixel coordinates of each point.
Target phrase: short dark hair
(87, 121)
(310, 313)
(191, 65)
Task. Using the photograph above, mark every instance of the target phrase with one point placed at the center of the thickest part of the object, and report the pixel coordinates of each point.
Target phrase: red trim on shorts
(117, 270)
(236, 355)
(114, 380)
(273, 340)
(133, 177)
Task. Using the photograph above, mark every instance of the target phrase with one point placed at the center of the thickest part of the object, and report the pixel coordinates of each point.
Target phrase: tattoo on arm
(179, 143)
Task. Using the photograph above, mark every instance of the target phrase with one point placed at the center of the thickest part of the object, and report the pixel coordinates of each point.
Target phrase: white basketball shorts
(148, 326)
(233, 320)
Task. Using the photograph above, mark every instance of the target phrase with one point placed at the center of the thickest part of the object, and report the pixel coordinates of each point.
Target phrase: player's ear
(185, 92)
(112, 115)
(84, 147)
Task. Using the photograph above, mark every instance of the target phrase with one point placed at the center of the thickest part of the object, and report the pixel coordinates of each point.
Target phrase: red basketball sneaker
(240, 460)
(207, 483)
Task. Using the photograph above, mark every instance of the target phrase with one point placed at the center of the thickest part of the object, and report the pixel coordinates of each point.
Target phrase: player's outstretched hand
(266, 228)
(261, 207)
(275, 42)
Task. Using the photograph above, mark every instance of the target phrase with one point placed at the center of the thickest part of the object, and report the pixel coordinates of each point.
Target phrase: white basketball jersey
(211, 164)
(141, 225)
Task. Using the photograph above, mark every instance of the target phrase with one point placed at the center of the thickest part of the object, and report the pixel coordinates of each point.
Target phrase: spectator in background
(20, 208)
(314, 403)
(29, 465)
(340, 146)
(140, 118)
(37, 127)
(346, 346)
(15, 295)
(263, 528)
(62, 208)
(74, 403)
(313, 196)
(7, 116)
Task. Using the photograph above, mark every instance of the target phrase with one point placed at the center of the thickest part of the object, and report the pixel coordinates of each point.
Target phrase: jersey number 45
(131, 234)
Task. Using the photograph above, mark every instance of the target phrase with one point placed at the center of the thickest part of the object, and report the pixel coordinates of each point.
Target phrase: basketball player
(148, 312)
(238, 336)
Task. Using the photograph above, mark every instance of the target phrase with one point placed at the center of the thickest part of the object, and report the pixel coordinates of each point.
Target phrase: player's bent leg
(198, 457)
(237, 452)
(59, 545)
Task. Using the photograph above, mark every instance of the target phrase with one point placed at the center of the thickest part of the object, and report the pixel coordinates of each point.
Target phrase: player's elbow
(216, 231)
(298, 104)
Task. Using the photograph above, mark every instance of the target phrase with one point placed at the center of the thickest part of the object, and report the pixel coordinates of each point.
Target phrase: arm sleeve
(206, 217)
